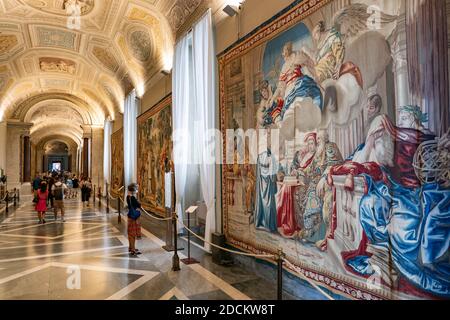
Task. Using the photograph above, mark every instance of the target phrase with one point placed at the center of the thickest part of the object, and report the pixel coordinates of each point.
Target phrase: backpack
(58, 192)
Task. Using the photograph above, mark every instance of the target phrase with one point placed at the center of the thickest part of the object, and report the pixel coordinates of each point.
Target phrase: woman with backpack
(134, 226)
(41, 201)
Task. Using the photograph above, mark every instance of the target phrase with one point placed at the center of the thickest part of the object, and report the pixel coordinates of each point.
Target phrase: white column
(399, 56)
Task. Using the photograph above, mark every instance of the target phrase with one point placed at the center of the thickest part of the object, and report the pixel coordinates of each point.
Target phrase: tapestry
(340, 145)
(117, 170)
(154, 148)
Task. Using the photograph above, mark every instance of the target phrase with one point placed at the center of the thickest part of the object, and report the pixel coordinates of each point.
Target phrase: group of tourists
(51, 189)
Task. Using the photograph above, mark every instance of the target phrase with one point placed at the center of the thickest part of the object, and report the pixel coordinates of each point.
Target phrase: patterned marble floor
(87, 258)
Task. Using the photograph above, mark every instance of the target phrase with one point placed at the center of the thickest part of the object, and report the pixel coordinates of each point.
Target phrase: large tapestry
(340, 155)
(154, 147)
(117, 171)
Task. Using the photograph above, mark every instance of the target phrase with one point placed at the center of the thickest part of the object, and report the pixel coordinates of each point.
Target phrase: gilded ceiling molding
(192, 18)
(181, 11)
(21, 109)
(59, 7)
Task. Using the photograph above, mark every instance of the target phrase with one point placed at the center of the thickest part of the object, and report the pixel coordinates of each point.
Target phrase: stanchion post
(15, 197)
(94, 197)
(7, 201)
(176, 259)
(18, 196)
(280, 260)
(189, 260)
(107, 198)
(99, 197)
(119, 219)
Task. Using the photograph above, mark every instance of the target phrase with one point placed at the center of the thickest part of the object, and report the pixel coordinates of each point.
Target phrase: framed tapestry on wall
(154, 146)
(117, 170)
(326, 82)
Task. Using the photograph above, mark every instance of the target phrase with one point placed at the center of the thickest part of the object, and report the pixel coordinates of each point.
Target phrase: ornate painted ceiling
(60, 72)
(55, 68)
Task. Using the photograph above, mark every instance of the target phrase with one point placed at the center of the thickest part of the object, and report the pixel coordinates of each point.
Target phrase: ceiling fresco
(118, 45)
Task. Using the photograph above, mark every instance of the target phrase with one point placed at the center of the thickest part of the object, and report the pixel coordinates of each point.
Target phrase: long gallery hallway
(38, 260)
(296, 149)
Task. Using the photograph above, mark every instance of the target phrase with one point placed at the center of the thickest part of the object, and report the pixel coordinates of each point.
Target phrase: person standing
(36, 184)
(41, 205)
(134, 227)
(86, 189)
(59, 190)
(51, 182)
(76, 185)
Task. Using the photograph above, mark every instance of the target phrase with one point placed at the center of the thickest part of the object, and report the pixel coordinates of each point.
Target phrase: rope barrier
(314, 285)
(225, 249)
(156, 218)
(6, 195)
(111, 197)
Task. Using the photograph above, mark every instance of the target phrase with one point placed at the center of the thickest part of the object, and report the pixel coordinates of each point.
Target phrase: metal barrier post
(15, 197)
(93, 202)
(99, 197)
(18, 196)
(119, 219)
(107, 198)
(176, 259)
(169, 239)
(189, 260)
(7, 201)
(280, 260)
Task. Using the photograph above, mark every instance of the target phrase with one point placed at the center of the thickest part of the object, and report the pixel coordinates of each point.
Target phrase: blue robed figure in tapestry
(266, 189)
(402, 212)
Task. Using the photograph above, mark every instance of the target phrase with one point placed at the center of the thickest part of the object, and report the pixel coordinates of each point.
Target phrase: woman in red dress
(41, 205)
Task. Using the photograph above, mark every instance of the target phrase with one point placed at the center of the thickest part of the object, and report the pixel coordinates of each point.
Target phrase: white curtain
(130, 139)
(204, 93)
(181, 87)
(107, 154)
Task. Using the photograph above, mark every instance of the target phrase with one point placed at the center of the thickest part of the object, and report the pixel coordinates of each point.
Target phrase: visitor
(51, 182)
(134, 227)
(59, 190)
(69, 184)
(86, 189)
(36, 184)
(76, 185)
(41, 205)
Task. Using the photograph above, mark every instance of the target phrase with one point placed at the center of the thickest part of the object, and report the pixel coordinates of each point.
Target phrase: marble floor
(86, 258)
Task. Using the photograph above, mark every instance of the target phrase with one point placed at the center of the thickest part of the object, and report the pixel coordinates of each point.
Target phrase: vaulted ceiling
(57, 69)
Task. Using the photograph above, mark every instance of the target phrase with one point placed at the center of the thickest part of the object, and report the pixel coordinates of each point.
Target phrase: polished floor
(86, 258)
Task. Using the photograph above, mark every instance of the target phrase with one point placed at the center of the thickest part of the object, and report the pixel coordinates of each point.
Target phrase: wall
(253, 13)
(161, 88)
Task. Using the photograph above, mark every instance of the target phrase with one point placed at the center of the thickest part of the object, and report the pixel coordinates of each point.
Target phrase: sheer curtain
(181, 85)
(130, 139)
(107, 154)
(204, 93)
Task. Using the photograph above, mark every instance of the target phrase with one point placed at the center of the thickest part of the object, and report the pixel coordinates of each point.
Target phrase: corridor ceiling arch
(120, 45)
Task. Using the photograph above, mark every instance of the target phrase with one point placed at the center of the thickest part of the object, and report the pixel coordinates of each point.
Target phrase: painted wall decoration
(48, 37)
(59, 7)
(357, 192)
(140, 45)
(117, 170)
(154, 146)
(106, 58)
(7, 42)
(57, 65)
